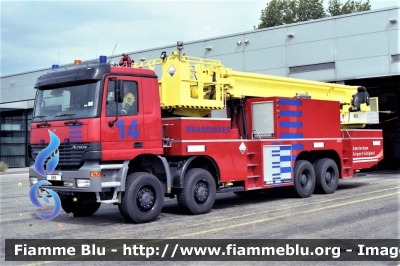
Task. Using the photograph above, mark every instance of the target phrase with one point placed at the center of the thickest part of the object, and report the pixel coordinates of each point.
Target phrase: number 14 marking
(133, 130)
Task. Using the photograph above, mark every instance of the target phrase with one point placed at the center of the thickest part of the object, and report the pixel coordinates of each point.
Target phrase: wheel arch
(203, 162)
(313, 156)
(153, 164)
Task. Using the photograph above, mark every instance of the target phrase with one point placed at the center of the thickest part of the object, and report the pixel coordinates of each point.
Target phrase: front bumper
(112, 178)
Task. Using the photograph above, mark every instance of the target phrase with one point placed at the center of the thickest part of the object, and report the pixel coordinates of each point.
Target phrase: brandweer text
(208, 129)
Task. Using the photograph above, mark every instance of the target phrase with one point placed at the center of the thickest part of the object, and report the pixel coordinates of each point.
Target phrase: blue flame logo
(49, 156)
(35, 201)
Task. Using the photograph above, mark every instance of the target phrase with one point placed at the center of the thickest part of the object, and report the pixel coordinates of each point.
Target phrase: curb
(15, 171)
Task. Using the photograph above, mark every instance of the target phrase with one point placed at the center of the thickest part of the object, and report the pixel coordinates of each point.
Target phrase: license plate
(54, 177)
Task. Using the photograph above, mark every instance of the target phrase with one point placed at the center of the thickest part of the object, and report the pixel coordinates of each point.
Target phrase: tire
(143, 198)
(80, 206)
(198, 193)
(304, 178)
(327, 175)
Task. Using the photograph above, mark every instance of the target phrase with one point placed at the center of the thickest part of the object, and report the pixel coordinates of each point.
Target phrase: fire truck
(125, 137)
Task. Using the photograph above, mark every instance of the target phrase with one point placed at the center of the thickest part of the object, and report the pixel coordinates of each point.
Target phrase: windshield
(78, 101)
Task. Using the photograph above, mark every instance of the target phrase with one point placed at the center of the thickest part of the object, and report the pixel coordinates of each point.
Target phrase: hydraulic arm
(193, 86)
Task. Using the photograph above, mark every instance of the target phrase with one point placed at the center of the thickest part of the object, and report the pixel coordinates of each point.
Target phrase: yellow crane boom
(194, 86)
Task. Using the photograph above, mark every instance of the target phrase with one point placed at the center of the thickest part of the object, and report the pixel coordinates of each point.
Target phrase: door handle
(137, 145)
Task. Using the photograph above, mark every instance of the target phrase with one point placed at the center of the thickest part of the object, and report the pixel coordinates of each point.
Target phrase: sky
(38, 34)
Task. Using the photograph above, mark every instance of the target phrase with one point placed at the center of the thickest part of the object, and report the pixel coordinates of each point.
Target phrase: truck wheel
(304, 178)
(198, 193)
(143, 198)
(80, 206)
(327, 175)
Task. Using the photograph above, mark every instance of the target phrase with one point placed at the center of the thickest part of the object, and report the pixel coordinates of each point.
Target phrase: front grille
(70, 154)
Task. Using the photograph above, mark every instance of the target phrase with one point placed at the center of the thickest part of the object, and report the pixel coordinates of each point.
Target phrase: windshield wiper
(70, 122)
(44, 120)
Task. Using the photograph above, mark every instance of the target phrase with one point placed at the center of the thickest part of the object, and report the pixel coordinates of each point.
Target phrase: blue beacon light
(103, 59)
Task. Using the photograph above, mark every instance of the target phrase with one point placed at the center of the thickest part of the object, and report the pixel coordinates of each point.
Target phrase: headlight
(33, 180)
(83, 182)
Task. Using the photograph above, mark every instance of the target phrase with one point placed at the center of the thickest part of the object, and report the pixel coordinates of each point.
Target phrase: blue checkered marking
(277, 164)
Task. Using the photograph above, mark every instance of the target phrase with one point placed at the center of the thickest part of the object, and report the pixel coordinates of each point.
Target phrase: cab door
(122, 125)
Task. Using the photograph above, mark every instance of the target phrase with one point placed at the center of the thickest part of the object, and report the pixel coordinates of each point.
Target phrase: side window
(129, 106)
(110, 102)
